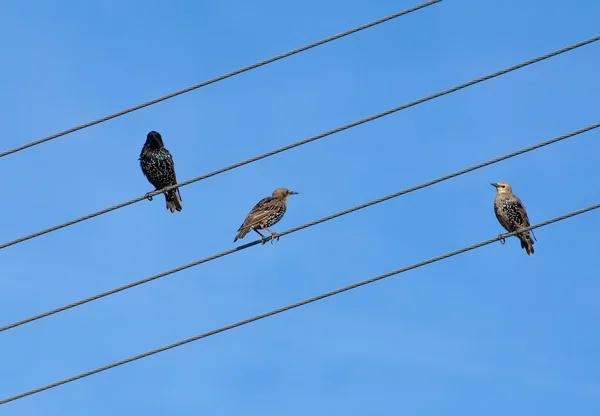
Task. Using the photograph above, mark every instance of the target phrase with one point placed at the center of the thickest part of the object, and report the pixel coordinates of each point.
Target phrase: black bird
(266, 213)
(511, 214)
(158, 167)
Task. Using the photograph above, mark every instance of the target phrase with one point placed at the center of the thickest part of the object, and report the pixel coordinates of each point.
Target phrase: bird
(512, 215)
(266, 213)
(158, 167)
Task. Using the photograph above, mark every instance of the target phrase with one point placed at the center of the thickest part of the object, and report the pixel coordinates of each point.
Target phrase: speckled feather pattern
(266, 213)
(510, 212)
(158, 167)
(512, 215)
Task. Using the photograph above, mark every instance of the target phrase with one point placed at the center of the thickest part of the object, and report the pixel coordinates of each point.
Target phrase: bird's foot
(501, 238)
(148, 196)
(274, 236)
(263, 239)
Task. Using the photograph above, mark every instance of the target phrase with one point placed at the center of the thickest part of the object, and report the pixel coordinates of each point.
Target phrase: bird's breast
(275, 215)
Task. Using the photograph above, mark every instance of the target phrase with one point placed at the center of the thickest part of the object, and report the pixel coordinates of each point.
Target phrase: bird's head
(154, 140)
(283, 193)
(502, 187)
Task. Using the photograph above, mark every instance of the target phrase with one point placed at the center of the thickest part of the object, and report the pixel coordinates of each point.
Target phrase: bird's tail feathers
(242, 233)
(173, 201)
(527, 243)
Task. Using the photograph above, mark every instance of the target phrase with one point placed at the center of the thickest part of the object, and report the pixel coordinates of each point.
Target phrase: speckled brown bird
(512, 215)
(266, 213)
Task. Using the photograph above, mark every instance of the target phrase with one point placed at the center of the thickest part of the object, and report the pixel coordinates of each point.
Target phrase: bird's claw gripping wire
(501, 238)
(148, 196)
(274, 236)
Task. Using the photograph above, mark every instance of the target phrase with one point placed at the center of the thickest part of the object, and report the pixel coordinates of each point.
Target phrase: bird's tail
(242, 233)
(527, 242)
(173, 200)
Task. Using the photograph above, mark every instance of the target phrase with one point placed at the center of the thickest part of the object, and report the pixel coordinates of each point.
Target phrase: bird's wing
(169, 155)
(522, 211)
(142, 161)
(171, 162)
(260, 211)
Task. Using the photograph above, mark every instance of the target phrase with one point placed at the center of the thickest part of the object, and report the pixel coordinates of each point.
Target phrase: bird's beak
(495, 185)
(293, 193)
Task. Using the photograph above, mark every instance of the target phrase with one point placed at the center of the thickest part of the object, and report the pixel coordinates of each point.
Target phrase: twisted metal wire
(301, 227)
(289, 307)
(302, 142)
(221, 77)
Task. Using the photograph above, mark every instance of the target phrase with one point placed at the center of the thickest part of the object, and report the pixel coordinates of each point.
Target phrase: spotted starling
(158, 167)
(512, 215)
(265, 214)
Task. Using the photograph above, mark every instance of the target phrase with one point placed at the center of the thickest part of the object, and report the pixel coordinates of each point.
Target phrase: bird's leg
(501, 238)
(273, 235)
(148, 196)
(262, 237)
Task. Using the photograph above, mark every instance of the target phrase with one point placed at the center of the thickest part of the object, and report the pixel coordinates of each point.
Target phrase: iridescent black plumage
(266, 213)
(512, 215)
(158, 167)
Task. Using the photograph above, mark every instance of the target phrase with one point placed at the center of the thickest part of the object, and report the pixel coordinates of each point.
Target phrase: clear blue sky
(490, 332)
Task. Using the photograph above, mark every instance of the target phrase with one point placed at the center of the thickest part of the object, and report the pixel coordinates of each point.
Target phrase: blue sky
(490, 332)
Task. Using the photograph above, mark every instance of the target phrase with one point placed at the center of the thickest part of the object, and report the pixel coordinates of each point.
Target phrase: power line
(292, 306)
(302, 142)
(301, 227)
(221, 77)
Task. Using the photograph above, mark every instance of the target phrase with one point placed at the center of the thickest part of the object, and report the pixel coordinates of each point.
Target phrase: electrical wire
(302, 142)
(289, 307)
(301, 227)
(221, 77)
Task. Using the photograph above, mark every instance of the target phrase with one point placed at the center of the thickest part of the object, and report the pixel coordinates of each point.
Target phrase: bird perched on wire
(266, 213)
(512, 215)
(158, 167)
